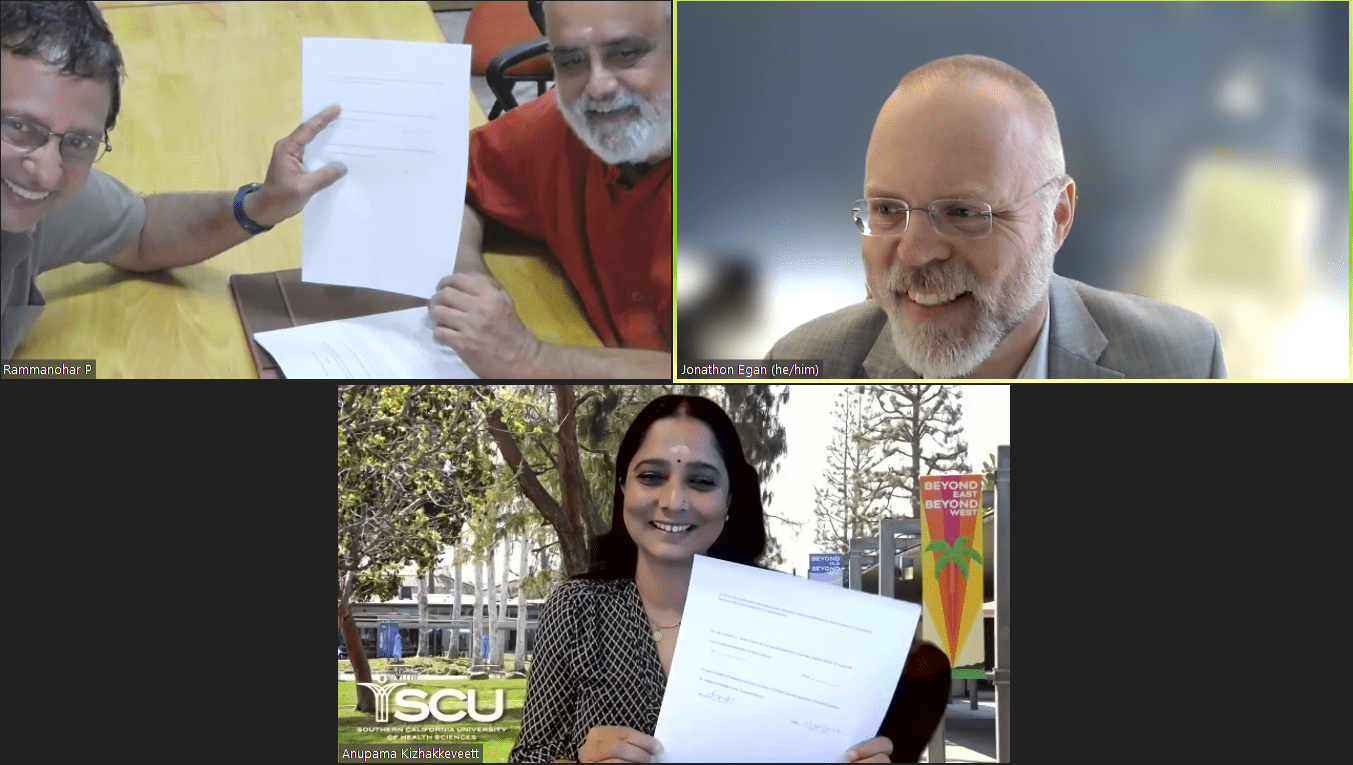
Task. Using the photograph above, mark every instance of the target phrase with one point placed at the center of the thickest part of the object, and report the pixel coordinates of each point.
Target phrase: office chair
(508, 35)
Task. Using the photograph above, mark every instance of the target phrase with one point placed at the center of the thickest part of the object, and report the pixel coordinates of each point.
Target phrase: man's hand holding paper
(288, 185)
(475, 315)
(792, 670)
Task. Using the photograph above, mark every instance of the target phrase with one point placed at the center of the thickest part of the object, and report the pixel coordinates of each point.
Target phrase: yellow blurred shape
(1238, 252)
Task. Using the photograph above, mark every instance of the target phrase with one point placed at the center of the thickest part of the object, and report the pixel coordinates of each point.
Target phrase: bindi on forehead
(681, 452)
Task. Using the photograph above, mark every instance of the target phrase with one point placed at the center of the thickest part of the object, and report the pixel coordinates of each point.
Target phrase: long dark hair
(743, 539)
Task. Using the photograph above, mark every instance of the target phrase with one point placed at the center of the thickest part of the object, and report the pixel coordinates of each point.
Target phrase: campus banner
(388, 643)
(952, 566)
(826, 567)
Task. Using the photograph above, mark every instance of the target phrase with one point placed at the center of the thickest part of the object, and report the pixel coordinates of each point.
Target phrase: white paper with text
(393, 222)
(770, 667)
(395, 345)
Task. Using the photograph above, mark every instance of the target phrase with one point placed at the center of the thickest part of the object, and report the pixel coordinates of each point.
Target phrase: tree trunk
(454, 649)
(477, 627)
(366, 700)
(422, 616)
(424, 586)
(500, 624)
(493, 608)
(517, 656)
(577, 499)
(916, 461)
(567, 525)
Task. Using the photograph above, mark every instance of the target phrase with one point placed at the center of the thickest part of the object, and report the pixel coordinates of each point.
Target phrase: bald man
(966, 202)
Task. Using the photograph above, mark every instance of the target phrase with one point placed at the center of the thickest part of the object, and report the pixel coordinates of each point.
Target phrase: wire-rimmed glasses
(28, 136)
(958, 218)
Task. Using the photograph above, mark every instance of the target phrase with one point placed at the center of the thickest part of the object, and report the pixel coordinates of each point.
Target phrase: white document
(773, 668)
(395, 345)
(393, 222)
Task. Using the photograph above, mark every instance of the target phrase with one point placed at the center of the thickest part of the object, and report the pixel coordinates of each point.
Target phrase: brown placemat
(279, 300)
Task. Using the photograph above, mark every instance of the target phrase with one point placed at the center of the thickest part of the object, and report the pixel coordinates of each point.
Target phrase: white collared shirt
(1036, 366)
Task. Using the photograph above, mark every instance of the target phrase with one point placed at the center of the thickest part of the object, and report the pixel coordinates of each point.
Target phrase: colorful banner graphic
(952, 567)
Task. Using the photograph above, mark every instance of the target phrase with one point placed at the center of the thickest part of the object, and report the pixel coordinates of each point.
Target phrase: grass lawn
(357, 729)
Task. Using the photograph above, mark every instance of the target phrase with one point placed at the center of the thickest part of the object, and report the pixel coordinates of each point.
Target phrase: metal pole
(936, 751)
(858, 559)
(889, 528)
(854, 567)
(887, 559)
(1001, 673)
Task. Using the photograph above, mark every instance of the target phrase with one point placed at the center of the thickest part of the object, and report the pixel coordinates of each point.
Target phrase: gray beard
(949, 351)
(645, 138)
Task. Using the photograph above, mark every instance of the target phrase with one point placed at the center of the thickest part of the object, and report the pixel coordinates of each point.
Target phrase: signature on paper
(719, 697)
(815, 726)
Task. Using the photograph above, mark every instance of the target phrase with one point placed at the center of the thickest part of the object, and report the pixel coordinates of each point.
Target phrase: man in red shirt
(586, 169)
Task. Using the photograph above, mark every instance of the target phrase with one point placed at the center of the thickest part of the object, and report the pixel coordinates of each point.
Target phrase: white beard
(645, 138)
(949, 350)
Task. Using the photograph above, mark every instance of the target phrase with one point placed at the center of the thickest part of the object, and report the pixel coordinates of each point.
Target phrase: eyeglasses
(75, 147)
(958, 218)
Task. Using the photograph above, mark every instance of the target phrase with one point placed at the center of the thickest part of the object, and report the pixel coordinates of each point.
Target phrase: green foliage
(538, 585)
(412, 465)
(417, 466)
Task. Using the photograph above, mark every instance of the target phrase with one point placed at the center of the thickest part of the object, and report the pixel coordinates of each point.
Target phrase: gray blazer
(1093, 333)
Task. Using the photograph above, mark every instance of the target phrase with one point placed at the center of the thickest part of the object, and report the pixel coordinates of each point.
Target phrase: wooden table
(210, 87)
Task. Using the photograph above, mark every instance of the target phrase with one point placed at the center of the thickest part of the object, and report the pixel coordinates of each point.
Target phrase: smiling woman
(606, 638)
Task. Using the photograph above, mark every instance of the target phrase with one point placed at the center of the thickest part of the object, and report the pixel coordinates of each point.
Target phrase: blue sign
(826, 567)
(387, 641)
(484, 653)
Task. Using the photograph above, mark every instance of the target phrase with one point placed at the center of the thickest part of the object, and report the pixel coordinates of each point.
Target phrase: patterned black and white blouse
(595, 664)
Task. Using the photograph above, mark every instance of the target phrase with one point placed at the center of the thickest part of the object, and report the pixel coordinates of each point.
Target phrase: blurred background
(1208, 141)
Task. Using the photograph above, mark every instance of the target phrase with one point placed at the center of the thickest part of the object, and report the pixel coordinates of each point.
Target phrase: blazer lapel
(1076, 341)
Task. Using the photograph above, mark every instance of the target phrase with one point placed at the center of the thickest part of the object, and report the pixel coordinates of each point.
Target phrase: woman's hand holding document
(774, 668)
(393, 223)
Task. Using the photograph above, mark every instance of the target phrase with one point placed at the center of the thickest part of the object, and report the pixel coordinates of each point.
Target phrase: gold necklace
(657, 631)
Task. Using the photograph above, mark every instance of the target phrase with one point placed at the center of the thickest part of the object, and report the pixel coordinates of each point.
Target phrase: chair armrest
(496, 72)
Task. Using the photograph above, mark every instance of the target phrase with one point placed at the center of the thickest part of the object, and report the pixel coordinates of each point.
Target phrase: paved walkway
(970, 734)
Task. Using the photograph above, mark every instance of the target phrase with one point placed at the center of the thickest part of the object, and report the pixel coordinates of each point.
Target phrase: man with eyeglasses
(587, 170)
(966, 203)
(59, 98)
